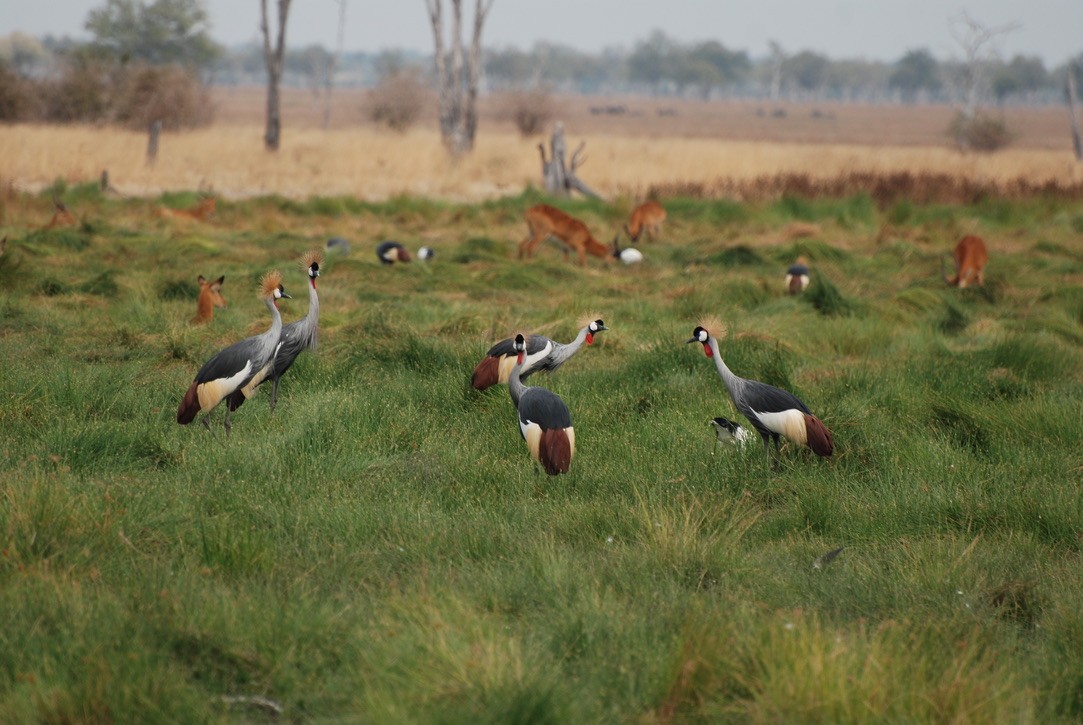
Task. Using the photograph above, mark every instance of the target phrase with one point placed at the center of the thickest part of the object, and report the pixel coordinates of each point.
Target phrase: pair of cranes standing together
(545, 423)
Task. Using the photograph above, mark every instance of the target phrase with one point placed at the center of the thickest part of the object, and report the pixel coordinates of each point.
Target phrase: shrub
(82, 93)
(531, 111)
(168, 94)
(17, 98)
(979, 132)
(398, 101)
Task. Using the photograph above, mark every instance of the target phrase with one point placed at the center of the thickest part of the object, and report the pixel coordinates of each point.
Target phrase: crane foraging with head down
(233, 367)
(297, 337)
(541, 354)
(544, 420)
(773, 412)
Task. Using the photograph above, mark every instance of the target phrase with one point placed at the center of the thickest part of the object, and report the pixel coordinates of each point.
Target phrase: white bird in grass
(730, 432)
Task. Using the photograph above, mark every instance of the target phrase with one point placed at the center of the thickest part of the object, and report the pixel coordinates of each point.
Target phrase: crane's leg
(274, 394)
(229, 423)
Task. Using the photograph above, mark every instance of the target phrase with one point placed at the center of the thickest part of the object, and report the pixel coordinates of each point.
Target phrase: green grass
(382, 549)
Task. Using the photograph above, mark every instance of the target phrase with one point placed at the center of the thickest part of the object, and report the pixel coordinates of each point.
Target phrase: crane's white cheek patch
(532, 432)
(787, 423)
(211, 392)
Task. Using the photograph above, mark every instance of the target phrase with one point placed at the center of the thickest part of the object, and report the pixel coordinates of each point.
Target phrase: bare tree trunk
(273, 58)
(558, 177)
(153, 134)
(335, 60)
(1073, 114)
(459, 82)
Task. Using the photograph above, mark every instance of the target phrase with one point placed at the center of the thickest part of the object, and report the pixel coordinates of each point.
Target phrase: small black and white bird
(628, 255)
(773, 412)
(297, 337)
(541, 354)
(730, 432)
(233, 367)
(338, 245)
(544, 420)
(797, 276)
(390, 252)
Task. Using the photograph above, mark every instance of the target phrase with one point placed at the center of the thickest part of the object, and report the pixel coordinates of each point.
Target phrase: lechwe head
(970, 258)
(210, 296)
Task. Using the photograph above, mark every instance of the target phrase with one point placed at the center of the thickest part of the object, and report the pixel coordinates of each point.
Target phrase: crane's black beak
(689, 342)
(603, 327)
(286, 296)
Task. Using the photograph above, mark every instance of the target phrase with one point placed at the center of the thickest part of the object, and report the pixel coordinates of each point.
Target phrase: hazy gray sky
(870, 29)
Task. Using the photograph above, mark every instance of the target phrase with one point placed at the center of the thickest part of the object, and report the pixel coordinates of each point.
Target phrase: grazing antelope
(234, 366)
(648, 217)
(970, 259)
(544, 420)
(210, 296)
(545, 221)
(204, 211)
(773, 412)
(541, 354)
(390, 252)
(797, 278)
(61, 216)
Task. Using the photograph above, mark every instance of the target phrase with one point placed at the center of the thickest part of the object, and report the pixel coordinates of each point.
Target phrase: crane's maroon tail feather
(818, 436)
(555, 451)
(795, 284)
(189, 406)
(487, 373)
(235, 400)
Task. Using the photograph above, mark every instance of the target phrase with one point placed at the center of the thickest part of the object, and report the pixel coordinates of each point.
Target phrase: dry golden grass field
(655, 145)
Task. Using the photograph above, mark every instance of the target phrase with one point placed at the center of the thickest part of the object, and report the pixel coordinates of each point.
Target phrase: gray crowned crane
(773, 412)
(233, 367)
(390, 252)
(541, 354)
(544, 420)
(797, 277)
(297, 337)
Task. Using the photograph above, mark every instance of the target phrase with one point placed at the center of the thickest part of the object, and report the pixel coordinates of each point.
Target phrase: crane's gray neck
(313, 313)
(732, 382)
(563, 352)
(515, 385)
(269, 339)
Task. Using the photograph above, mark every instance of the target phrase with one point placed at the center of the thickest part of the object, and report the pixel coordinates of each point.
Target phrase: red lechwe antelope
(210, 296)
(970, 258)
(546, 221)
(648, 217)
(61, 216)
(204, 211)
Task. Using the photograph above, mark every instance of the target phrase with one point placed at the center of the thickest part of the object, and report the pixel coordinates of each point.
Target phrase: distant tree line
(114, 77)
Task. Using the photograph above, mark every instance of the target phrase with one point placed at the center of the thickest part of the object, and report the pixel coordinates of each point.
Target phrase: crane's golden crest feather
(270, 282)
(715, 327)
(312, 256)
(588, 318)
